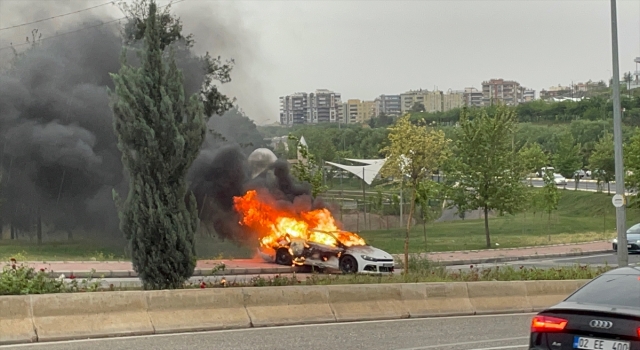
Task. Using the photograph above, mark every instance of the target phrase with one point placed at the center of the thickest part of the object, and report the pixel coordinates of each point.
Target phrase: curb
(71, 316)
(518, 248)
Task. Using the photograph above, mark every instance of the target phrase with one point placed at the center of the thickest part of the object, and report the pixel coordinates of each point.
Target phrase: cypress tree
(159, 134)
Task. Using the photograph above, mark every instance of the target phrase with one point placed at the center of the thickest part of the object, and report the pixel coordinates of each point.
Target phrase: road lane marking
(503, 347)
(468, 343)
(124, 338)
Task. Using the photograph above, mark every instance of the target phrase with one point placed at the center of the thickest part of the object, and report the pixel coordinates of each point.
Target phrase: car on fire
(349, 259)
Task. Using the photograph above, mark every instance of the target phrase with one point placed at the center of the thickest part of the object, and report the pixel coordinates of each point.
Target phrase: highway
(445, 333)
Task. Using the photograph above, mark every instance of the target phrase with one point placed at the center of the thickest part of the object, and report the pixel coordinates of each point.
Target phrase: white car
(559, 180)
(354, 259)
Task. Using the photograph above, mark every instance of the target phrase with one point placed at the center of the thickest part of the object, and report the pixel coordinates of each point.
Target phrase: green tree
(533, 158)
(602, 161)
(414, 152)
(307, 169)
(428, 192)
(159, 134)
(548, 198)
(632, 160)
(484, 167)
(567, 158)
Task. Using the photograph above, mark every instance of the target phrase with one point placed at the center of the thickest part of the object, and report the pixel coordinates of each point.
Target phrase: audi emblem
(601, 324)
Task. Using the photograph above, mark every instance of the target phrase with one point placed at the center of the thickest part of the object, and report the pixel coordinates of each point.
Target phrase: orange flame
(276, 226)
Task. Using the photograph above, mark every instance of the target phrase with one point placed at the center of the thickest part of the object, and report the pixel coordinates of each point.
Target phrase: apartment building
(452, 100)
(388, 104)
(431, 100)
(528, 95)
(472, 97)
(324, 107)
(321, 106)
(357, 111)
(501, 91)
(555, 91)
(293, 109)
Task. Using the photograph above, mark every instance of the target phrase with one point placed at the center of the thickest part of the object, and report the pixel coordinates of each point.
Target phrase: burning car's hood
(369, 251)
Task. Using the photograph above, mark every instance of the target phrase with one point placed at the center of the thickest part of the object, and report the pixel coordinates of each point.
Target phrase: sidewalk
(123, 269)
(469, 257)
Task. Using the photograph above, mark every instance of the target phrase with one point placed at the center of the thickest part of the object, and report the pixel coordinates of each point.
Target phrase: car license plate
(599, 344)
(387, 265)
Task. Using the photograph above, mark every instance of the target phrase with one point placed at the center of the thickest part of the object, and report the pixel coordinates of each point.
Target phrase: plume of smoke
(59, 157)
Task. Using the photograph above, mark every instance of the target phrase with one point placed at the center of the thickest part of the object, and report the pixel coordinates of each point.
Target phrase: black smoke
(58, 154)
(218, 176)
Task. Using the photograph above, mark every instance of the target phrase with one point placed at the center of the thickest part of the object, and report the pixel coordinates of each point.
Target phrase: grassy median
(581, 217)
(18, 279)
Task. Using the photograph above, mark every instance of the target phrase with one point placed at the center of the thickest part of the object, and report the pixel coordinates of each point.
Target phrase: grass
(581, 217)
(82, 250)
(63, 251)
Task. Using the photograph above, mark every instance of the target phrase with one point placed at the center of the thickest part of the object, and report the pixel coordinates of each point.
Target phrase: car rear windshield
(614, 290)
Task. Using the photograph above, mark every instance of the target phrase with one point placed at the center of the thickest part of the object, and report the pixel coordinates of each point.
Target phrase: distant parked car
(603, 314)
(579, 174)
(633, 240)
(544, 170)
(559, 180)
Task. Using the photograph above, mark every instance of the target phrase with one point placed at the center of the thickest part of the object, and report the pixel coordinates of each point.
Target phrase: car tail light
(638, 332)
(542, 324)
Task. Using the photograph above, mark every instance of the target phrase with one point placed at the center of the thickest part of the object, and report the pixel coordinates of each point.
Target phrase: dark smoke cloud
(59, 158)
(219, 176)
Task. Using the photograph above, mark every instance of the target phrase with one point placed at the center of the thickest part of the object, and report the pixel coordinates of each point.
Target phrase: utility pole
(618, 201)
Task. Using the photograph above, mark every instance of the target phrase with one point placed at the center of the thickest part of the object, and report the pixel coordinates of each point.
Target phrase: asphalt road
(610, 259)
(446, 333)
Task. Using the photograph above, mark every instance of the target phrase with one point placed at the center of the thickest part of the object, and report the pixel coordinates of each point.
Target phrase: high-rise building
(501, 91)
(452, 100)
(528, 95)
(356, 111)
(431, 100)
(293, 109)
(324, 107)
(321, 106)
(388, 104)
(472, 97)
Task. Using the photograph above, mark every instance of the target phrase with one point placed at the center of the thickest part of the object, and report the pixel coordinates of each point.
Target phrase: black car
(604, 314)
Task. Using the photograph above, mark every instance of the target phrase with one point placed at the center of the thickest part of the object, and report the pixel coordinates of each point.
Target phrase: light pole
(618, 201)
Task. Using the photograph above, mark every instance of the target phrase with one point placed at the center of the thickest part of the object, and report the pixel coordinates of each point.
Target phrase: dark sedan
(602, 315)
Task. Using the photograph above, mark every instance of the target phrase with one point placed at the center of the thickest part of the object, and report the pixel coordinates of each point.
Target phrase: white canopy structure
(366, 172)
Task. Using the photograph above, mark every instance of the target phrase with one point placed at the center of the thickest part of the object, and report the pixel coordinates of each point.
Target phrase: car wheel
(283, 257)
(348, 264)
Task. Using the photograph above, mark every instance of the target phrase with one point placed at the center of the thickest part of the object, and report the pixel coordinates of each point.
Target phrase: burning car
(289, 236)
(348, 259)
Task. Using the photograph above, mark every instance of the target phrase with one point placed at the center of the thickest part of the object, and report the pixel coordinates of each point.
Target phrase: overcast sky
(366, 48)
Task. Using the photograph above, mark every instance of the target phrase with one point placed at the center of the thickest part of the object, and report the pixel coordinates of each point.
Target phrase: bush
(20, 279)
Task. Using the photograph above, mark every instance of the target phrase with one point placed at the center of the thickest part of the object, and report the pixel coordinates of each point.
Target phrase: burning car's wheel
(348, 264)
(283, 257)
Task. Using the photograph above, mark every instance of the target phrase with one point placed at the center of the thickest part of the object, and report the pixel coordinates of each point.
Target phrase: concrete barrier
(541, 294)
(82, 315)
(436, 299)
(355, 302)
(197, 310)
(16, 325)
(91, 315)
(278, 306)
(492, 297)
